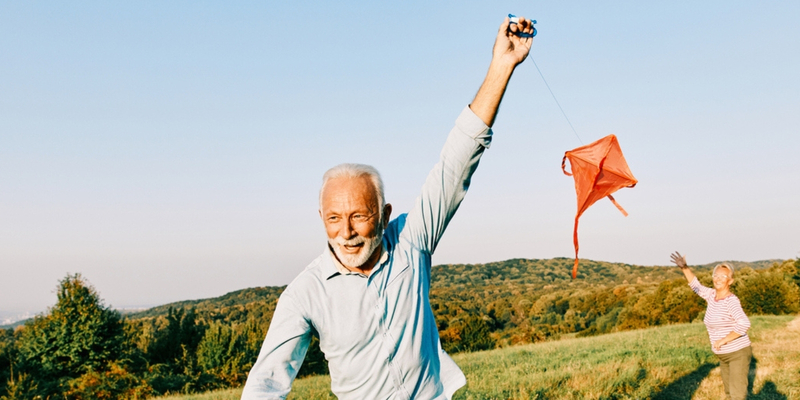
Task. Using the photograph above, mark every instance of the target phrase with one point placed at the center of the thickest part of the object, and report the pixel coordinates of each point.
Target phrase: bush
(768, 292)
(468, 333)
(116, 383)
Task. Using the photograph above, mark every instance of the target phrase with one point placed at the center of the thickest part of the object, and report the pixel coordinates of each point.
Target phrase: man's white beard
(358, 259)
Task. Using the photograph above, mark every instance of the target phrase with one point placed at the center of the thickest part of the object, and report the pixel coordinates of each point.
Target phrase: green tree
(178, 331)
(768, 292)
(468, 333)
(77, 335)
(21, 387)
(8, 357)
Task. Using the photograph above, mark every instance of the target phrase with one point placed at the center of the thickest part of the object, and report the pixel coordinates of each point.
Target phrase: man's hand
(509, 48)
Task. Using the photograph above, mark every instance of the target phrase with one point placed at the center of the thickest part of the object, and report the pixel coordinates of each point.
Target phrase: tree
(79, 334)
(8, 356)
(467, 333)
(768, 292)
(172, 353)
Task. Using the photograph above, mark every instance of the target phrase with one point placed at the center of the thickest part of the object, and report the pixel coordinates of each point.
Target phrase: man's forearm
(487, 100)
(509, 50)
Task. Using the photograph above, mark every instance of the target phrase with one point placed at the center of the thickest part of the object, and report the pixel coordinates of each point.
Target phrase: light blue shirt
(377, 332)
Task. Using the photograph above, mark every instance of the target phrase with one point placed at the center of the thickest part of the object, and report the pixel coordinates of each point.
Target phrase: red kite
(599, 169)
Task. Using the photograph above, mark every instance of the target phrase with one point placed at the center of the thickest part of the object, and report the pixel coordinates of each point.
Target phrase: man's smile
(353, 248)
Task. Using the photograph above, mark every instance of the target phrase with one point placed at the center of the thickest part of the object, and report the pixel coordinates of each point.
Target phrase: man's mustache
(349, 242)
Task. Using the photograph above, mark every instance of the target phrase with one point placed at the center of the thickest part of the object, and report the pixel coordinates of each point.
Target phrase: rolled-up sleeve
(742, 323)
(448, 181)
(281, 354)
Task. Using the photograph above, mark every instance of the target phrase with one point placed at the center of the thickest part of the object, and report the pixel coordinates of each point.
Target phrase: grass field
(671, 362)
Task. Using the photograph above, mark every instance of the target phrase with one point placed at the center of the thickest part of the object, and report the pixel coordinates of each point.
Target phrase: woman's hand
(678, 260)
(727, 339)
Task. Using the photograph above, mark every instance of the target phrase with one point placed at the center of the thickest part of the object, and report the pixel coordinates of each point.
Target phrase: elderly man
(367, 294)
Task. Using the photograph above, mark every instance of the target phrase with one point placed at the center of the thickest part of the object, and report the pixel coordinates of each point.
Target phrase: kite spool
(513, 19)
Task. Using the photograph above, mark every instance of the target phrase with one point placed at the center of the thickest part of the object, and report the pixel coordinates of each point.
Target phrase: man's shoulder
(311, 275)
(396, 234)
(395, 226)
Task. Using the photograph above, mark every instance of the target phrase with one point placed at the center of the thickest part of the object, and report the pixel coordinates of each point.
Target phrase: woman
(727, 326)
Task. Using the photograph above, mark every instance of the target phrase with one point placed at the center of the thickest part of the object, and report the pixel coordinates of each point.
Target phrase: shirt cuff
(472, 126)
(741, 330)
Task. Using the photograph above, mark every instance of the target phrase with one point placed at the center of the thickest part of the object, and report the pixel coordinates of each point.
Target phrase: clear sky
(174, 150)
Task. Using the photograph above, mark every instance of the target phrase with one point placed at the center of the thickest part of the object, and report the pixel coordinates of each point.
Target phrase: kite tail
(619, 207)
(575, 240)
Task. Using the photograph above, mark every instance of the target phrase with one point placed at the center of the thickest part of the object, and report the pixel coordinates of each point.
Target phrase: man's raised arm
(447, 183)
(509, 50)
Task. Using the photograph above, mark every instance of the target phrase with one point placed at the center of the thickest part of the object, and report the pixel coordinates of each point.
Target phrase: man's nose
(347, 230)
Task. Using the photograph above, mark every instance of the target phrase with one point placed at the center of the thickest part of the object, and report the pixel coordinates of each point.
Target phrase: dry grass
(776, 370)
(671, 362)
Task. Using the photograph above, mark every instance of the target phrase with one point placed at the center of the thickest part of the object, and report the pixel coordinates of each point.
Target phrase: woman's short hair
(723, 265)
(355, 171)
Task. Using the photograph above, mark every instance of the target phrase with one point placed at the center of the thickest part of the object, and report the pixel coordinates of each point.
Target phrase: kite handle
(564, 166)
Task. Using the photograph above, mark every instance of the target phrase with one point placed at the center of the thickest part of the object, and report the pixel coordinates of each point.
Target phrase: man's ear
(387, 214)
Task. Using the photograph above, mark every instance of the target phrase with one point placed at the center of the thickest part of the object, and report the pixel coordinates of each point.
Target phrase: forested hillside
(83, 350)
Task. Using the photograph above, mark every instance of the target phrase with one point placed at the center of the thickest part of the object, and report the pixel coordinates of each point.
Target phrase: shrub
(468, 333)
(116, 383)
(768, 292)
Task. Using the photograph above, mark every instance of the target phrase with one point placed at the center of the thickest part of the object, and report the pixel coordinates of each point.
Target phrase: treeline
(82, 349)
(523, 301)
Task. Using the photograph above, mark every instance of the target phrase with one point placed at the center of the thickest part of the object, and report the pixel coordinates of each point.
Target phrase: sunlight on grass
(670, 362)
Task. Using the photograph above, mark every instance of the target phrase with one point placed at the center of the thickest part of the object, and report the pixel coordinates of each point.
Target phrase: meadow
(668, 362)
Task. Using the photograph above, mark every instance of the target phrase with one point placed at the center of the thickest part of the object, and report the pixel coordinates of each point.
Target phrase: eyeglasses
(720, 276)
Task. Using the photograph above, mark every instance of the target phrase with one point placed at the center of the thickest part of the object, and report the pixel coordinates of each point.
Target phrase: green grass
(670, 362)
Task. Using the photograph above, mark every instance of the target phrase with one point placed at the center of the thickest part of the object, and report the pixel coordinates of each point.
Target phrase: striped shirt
(722, 317)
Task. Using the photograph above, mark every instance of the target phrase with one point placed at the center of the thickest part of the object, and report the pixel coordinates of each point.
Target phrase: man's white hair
(355, 171)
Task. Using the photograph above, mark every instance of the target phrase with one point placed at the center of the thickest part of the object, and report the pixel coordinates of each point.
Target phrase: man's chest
(356, 311)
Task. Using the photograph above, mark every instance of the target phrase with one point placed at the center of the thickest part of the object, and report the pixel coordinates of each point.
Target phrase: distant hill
(230, 306)
(15, 324)
(534, 274)
(544, 274)
(763, 264)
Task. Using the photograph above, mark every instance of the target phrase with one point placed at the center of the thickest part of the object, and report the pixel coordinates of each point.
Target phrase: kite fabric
(599, 169)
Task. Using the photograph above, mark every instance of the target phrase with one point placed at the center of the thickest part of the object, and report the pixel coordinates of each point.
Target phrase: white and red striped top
(722, 317)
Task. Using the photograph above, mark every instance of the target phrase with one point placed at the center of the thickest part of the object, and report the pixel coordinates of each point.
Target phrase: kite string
(557, 103)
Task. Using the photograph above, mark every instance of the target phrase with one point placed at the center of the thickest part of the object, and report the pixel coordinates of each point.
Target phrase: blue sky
(172, 151)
